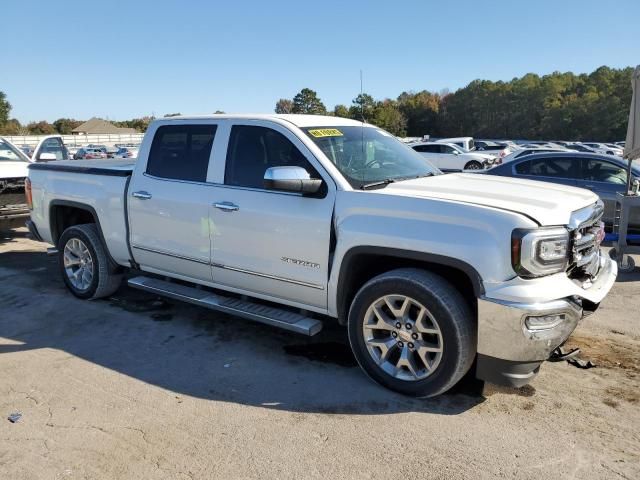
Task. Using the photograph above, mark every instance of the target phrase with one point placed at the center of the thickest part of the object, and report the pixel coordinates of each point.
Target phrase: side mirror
(47, 157)
(456, 152)
(291, 179)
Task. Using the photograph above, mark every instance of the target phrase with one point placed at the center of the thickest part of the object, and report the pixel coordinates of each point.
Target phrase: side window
(181, 152)
(602, 171)
(524, 168)
(548, 167)
(447, 149)
(254, 149)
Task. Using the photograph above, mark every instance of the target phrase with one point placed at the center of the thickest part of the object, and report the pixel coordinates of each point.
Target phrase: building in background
(99, 126)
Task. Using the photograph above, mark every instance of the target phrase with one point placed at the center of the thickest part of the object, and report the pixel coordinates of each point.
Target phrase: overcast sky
(125, 59)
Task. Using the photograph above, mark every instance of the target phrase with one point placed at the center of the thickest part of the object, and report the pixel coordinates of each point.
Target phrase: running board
(252, 311)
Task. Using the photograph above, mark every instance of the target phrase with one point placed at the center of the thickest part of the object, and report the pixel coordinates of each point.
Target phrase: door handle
(142, 195)
(227, 206)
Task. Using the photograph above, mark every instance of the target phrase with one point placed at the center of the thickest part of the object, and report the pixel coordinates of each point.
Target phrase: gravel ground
(137, 387)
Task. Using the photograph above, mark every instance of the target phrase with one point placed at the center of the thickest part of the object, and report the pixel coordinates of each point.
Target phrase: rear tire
(435, 344)
(84, 263)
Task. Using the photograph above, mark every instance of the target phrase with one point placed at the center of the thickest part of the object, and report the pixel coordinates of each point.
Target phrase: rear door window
(595, 170)
(555, 167)
(181, 152)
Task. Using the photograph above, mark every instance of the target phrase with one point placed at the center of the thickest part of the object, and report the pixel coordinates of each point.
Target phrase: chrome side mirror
(291, 179)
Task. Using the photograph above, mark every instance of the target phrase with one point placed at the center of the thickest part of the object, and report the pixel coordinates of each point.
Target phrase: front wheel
(412, 332)
(84, 263)
(473, 165)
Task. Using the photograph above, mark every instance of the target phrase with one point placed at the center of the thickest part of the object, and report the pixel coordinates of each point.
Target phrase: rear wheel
(413, 332)
(473, 165)
(84, 263)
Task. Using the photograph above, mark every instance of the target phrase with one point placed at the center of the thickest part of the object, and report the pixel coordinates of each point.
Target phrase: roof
(298, 120)
(98, 125)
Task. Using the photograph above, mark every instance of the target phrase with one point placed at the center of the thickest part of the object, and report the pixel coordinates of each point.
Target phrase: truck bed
(111, 167)
(95, 185)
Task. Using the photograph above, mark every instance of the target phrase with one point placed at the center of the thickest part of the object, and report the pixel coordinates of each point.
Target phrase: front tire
(473, 165)
(412, 332)
(84, 263)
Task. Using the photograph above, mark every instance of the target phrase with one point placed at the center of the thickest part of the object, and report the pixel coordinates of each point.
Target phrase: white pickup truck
(293, 220)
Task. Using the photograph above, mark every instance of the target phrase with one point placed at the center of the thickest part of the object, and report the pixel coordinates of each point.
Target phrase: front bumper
(510, 353)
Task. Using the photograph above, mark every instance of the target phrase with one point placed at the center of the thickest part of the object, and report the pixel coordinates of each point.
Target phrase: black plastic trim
(55, 235)
(80, 169)
(507, 373)
(132, 260)
(33, 230)
(348, 258)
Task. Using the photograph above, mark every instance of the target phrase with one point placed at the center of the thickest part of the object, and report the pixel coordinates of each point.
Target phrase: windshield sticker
(325, 132)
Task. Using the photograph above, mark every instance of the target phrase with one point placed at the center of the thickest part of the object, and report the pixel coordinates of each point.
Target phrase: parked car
(465, 143)
(603, 174)
(126, 152)
(492, 148)
(27, 150)
(111, 151)
(451, 158)
(528, 151)
(579, 147)
(13, 172)
(292, 220)
(86, 153)
(602, 148)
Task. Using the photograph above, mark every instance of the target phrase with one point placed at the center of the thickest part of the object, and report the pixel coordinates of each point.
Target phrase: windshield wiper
(380, 184)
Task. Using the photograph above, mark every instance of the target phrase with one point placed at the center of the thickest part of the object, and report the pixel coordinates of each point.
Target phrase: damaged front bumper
(515, 337)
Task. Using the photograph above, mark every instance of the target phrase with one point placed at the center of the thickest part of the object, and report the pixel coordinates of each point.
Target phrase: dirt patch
(617, 351)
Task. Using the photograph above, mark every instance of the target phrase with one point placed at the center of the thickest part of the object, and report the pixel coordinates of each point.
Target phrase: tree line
(558, 106)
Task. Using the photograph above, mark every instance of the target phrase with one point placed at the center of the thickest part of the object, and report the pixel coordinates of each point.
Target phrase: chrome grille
(587, 235)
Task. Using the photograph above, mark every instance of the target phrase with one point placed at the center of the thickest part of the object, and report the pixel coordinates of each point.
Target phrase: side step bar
(242, 308)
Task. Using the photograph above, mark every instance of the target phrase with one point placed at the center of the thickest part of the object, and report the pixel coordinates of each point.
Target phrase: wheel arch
(360, 264)
(66, 213)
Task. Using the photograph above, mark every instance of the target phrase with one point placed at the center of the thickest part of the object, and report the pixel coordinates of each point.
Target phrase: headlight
(540, 251)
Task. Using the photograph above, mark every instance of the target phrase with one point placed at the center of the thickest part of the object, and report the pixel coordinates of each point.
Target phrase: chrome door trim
(162, 252)
(265, 275)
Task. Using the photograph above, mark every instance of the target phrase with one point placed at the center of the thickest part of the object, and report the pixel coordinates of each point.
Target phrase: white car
(451, 158)
(14, 165)
(298, 220)
(603, 148)
(465, 143)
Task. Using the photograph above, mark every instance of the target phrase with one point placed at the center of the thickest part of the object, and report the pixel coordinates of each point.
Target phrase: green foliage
(64, 126)
(341, 111)
(5, 109)
(307, 101)
(41, 128)
(284, 105)
(140, 124)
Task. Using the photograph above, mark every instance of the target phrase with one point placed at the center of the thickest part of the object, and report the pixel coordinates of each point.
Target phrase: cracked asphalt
(139, 387)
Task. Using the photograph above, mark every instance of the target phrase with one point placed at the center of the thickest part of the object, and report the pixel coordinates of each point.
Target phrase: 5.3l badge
(302, 263)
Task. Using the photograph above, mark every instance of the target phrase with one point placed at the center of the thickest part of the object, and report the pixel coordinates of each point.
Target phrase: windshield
(9, 153)
(367, 155)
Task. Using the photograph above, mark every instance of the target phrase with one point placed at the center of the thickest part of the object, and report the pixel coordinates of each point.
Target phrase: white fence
(108, 139)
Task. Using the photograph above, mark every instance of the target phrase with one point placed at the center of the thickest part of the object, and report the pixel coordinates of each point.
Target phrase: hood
(546, 203)
(14, 169)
